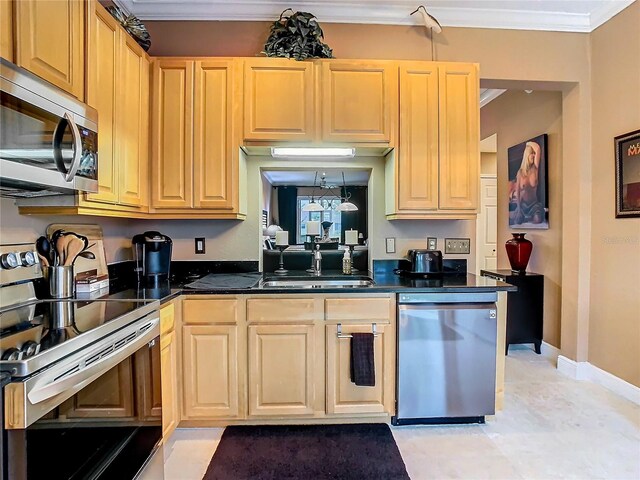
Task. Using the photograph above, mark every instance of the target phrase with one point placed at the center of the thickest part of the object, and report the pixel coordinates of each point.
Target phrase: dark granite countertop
(383, 283)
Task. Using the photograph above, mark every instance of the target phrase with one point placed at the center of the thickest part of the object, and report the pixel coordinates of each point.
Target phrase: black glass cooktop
(46, 326)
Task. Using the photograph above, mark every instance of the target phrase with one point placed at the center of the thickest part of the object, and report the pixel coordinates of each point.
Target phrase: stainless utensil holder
(61, 281)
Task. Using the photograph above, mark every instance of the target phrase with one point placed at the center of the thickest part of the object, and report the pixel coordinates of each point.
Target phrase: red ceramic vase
(519, 251)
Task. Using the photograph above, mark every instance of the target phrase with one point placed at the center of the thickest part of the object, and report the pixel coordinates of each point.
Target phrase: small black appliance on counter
(425, 261)
(152, 254)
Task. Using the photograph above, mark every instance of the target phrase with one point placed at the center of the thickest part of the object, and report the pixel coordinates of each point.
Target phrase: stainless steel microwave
(48, 139)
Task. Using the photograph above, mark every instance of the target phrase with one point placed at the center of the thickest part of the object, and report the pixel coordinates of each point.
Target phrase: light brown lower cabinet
(210, 376)
(267, 358)
(169, 369)
(343, 396)
(282, 379)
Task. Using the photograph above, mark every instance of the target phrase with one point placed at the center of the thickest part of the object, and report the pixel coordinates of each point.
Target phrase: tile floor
(552, 427)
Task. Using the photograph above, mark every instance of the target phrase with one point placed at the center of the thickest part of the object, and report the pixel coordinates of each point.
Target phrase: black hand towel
(363, 372)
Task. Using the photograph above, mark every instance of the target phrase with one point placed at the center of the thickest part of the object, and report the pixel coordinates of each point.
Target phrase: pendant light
(346, 205)
(313, 206)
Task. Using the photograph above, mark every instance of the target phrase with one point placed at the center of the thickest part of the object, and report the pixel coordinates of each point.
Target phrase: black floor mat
(307, 452)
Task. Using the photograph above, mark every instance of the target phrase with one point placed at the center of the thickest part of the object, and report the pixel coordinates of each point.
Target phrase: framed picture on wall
(628, 174)
(528, 187)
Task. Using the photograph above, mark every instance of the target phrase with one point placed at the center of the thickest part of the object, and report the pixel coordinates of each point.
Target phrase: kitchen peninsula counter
(383, 283)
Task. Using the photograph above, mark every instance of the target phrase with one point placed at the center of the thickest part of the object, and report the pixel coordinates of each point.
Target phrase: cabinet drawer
(207, 311)
(167, 319)
(281, 309)
(379, 309)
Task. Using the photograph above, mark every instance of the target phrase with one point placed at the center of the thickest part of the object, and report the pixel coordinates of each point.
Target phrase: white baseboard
(550, 351)
(587, 371)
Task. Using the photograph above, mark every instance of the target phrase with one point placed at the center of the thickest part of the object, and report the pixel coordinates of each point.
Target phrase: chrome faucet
(317, 262)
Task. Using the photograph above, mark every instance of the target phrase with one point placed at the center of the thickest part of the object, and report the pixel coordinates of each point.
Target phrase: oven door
(99, 417)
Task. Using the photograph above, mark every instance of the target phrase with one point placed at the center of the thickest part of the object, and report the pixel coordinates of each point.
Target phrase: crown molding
(376, 12)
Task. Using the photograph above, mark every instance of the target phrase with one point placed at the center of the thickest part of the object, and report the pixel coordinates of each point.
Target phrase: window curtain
(355, 220)
(288, 211)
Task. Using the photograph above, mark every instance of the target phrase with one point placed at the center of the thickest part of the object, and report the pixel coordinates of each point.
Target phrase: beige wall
(26, 229)
(614, 328)
(515, 117)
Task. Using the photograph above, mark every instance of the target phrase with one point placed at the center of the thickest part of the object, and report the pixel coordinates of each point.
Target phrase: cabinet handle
(339, 333)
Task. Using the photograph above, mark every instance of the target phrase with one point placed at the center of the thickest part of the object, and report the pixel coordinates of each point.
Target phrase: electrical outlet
(457, 245)
(200, 245)
(432, 243)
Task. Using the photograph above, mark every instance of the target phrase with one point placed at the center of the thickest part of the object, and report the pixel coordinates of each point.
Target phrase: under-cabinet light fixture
(298, 152)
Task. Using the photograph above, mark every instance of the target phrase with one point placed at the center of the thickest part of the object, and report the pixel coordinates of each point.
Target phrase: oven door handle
(78, 380)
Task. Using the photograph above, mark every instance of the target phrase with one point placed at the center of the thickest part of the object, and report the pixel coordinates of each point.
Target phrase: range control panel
(19, 262)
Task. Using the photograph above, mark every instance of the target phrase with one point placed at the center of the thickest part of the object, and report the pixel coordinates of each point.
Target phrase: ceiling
(555, 15)
(304, 178)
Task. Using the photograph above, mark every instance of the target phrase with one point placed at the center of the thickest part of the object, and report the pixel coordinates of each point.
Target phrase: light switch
(391, 245)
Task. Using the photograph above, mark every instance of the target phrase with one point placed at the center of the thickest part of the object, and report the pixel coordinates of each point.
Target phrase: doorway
(487, 220)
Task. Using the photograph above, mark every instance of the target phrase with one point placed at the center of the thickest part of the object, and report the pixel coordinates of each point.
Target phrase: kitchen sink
(316, 283)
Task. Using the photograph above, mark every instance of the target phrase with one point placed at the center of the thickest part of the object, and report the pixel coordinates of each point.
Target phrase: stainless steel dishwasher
(446, 357)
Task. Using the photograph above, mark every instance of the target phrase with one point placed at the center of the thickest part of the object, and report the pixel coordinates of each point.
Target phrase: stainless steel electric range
(83, 400)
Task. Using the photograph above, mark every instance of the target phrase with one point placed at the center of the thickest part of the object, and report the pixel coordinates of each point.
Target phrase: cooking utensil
(61, 249)
(87, 255)
(55, 236)
(74, 246)
(43, 247)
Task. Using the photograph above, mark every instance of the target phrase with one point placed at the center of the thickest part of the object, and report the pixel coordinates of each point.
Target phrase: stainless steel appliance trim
(48, 389)
(51, 180)
(28, 87)
(411, 298)
(27, 366)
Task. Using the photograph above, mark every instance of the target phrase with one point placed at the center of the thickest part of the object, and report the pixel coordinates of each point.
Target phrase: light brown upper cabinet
(6, 29)
(195, 138)
(172, 134)
(359, 101)
(50, 41)
(117, 86)
(418, 157)
(435, 171)
(279, 100)
(459, 136)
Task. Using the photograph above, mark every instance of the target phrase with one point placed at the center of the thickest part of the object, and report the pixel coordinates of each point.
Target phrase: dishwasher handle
(450, 298)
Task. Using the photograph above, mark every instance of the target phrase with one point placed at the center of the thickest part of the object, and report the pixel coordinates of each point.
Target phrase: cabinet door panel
(214, 154)
(102, 78)
(359, 101)
(6, 29)
(169, 374)
(459, 137)
(50, 41)
(281, 370)
(343, 396)
(133, 123)
(278, 100)
(417, 180)
(172, 134)
(210, 371)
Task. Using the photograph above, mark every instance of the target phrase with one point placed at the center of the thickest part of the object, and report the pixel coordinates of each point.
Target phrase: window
(328, 215)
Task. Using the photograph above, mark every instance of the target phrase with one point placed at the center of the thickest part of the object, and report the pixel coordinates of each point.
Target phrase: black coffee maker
(152, 254)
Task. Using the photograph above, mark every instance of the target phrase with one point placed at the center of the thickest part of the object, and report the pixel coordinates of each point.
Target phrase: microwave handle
(77, 147)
